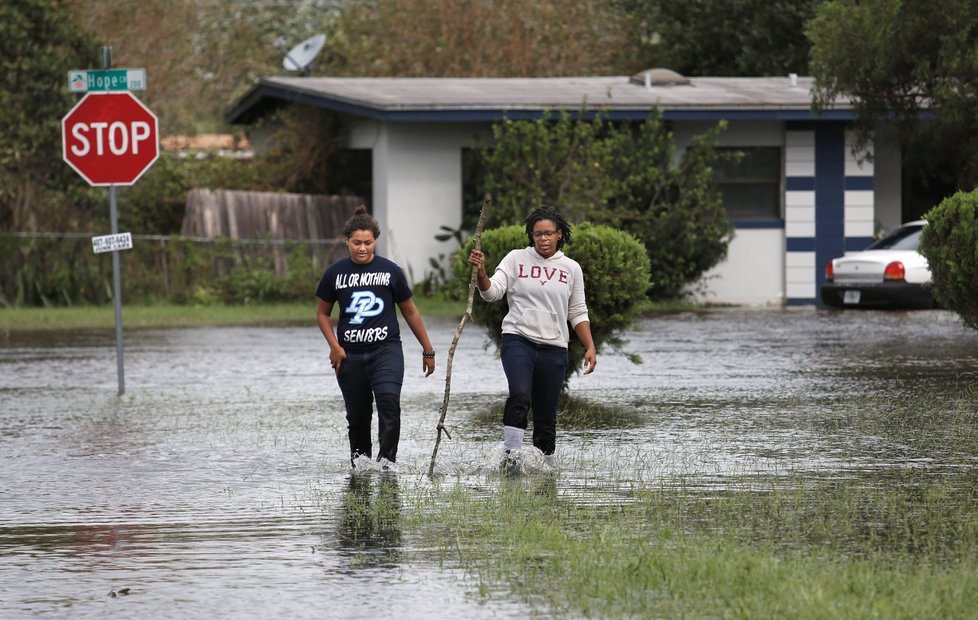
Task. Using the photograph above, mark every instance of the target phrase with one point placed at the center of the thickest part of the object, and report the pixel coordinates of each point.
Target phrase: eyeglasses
(538, 234)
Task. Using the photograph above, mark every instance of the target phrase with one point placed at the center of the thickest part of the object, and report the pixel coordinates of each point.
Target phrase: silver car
(889, 273)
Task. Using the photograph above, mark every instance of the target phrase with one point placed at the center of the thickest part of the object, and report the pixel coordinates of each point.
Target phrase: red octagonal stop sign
(110, 138)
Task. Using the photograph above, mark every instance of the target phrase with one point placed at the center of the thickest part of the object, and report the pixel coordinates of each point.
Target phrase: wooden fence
(239, 215)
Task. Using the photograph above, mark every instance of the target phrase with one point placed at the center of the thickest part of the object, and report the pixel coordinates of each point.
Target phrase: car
(890, 273)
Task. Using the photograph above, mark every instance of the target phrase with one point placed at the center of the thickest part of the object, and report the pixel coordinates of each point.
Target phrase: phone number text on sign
(112, 243)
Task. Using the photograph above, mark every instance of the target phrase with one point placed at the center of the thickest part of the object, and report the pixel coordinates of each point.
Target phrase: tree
(615, 268)
(903, 62)
(39, 45)
(724, 37)
(950, 244)
(616, 174)
(198, 54)
(463, 38)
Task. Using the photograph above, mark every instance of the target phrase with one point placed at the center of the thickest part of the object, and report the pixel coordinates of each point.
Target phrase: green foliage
(438, 276)
(503, 38)
(615, 267)
(726, 37)
(619, 175)
(39, 44)
(895, 60)
(54, 271)
(896, 57)
(531, 164)
(257, 282)
(950, 244)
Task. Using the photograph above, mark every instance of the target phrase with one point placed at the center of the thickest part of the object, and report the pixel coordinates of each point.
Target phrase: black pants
(364, 377)
(535, 373)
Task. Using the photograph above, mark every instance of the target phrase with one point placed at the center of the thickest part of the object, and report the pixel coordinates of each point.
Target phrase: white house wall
(417, 178)
(753, 273)
(888, 180)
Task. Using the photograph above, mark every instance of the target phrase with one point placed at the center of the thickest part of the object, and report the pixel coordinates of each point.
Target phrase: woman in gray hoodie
(545, 292)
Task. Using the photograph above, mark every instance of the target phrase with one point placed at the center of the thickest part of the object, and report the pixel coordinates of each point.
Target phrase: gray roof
(490, 99)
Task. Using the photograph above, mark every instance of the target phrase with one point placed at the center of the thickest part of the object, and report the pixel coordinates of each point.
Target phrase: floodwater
(219, 483)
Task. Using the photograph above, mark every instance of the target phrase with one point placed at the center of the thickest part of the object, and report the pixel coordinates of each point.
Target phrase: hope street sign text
(88, 80)
(112, 243)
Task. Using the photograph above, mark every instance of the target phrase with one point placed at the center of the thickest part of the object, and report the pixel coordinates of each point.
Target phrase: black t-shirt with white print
(366, 295)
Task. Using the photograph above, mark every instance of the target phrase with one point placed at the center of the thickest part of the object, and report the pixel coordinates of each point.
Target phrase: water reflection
(369, 527)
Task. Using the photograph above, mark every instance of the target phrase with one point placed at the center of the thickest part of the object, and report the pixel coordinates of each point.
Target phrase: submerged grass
(574, 412)
(836, 549)
(895, 537)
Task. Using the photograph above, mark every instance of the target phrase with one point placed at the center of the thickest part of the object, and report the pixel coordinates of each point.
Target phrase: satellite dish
(300, 57)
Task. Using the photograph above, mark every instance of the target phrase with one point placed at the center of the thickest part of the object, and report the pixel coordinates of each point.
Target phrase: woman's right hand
(478, 260)
(336, 357)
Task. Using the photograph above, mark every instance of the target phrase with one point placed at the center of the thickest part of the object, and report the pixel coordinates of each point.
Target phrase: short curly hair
(549, 213)
(361, 220)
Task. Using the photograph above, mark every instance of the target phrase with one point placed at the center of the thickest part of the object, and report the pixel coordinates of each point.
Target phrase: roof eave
(267, 95)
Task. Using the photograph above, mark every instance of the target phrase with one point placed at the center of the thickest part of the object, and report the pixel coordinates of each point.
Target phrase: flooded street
(219, 483)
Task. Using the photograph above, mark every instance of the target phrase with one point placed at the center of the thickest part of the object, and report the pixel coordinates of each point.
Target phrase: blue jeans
(535, 373)
(363, 377)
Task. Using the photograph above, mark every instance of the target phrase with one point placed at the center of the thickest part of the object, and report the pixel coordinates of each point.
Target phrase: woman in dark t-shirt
(365, 350)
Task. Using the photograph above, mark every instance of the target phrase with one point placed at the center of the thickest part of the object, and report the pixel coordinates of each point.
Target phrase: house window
(750, 185)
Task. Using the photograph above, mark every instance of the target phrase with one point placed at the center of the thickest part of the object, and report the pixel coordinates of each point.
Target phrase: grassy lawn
(171, 315)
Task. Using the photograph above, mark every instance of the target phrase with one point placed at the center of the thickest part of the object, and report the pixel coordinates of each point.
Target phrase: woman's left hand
(429, 365)
(590, 361)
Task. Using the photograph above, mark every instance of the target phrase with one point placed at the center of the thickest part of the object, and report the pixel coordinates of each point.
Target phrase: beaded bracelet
(428, 354)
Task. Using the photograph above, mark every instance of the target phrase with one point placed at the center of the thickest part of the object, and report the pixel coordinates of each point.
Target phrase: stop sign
(110, 138)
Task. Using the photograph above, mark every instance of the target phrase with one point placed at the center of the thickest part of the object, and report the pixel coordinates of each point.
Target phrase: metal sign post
(117, 294)
(116, 267)
(110, 138)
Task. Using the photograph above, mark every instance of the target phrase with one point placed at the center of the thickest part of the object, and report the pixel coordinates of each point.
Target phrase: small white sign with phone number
(112, 243)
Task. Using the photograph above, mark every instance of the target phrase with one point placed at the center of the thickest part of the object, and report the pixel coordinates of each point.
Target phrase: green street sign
(108, 80)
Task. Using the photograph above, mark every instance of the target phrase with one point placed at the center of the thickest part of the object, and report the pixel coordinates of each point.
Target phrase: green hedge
(58, 271)
(950, 244)
(616, 276)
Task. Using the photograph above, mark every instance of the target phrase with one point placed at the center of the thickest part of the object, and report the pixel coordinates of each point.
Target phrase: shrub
(626, 175)
(616, 274)
(54, 271)
(950, 244)
(255, 281)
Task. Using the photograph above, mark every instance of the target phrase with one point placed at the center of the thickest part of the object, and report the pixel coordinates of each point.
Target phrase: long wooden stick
(458, 334)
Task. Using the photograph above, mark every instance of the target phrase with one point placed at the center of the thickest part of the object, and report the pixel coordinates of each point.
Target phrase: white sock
(512, 437)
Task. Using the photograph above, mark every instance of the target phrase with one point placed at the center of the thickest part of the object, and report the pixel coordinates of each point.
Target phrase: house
(805, 199)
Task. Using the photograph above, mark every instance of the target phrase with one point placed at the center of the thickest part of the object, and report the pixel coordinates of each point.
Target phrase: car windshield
(903, 238)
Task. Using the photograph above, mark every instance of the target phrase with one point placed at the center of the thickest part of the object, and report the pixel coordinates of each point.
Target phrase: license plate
(850, 297)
